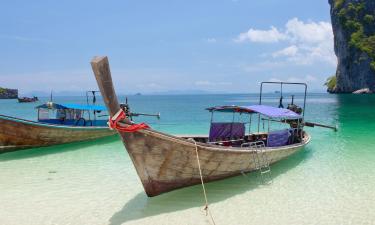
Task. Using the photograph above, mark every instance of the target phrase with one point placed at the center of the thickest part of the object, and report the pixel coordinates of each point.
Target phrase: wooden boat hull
(18, 134)
(164, 162)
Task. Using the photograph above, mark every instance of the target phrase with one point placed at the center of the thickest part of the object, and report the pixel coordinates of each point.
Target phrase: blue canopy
(86, 107)
(71, 106)
(266, 110)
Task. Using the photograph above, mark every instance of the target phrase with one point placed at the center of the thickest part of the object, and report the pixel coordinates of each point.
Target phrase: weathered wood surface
(100, 67)
(102, 72)
(165, 162)
(20, 134)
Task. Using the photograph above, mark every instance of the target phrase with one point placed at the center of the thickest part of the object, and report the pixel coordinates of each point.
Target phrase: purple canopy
(266, 110)
(274, 112)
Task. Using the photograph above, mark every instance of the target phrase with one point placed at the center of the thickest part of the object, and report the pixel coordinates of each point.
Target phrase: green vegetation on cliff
(338, 3)
(6, 93)
(331, 83)
(355, 18)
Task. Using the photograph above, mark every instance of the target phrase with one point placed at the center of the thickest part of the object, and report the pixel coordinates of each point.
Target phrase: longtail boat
(166, 162)
(27, 99)
(56, 124)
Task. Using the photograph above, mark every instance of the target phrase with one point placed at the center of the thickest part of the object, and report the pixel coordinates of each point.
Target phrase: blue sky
(156, 46)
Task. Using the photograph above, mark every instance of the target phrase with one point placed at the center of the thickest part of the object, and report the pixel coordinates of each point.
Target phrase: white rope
(208, 212)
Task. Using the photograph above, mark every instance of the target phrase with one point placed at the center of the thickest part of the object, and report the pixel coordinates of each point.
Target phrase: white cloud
(310, 32)
(267, 36)
(309, 42)
(288, 51)
(211, 40)
(306, 79)
(314, 39)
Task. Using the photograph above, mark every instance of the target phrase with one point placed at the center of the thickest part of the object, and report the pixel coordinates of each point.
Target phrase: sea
(330, 181)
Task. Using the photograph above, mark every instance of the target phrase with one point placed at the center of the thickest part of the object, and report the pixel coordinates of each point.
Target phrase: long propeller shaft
(308, 124)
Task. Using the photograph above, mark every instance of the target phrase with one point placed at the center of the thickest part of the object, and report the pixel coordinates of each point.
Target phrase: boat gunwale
(184, 141)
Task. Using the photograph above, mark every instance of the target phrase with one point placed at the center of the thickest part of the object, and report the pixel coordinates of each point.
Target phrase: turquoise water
(330, 182)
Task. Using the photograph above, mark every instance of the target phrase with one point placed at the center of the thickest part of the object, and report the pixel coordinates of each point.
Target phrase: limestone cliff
(353, 23)
(8, 93)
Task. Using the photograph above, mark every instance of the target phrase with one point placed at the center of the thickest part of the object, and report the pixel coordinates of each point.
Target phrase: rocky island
(353, 23)
(6, 93)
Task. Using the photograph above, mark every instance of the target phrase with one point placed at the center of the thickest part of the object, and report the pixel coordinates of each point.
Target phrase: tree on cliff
(6, 93)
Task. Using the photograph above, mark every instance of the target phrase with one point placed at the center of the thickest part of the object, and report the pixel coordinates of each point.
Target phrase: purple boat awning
(273, 111)
(266, 110)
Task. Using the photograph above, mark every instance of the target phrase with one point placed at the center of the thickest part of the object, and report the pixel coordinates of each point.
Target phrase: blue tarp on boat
(71, 106)
(85, 107)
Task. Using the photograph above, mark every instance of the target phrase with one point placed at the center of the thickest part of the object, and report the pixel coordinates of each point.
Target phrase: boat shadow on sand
(142, 206)
(55, 149)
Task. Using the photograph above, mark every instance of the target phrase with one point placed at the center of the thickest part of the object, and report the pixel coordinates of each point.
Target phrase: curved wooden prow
(100, 66)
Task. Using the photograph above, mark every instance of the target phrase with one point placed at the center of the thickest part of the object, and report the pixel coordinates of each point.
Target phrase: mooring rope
(206, 209)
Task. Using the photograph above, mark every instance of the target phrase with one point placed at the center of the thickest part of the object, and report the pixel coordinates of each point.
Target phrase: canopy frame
(281, 96)
(281, 92)
(82, 109)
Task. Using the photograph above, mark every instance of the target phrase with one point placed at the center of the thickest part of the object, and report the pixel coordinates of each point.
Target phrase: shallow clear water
(330, 182)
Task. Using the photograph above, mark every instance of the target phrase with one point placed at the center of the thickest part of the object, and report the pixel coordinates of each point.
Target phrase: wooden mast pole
(100, 67)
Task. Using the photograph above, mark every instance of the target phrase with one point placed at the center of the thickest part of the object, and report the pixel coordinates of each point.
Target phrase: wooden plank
(100, 67)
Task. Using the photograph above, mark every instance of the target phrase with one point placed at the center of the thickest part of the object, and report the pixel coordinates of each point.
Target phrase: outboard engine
(125, 107)
(293, 107)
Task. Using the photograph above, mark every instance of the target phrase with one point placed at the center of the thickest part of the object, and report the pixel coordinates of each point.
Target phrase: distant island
(6, 93)
(353, 23)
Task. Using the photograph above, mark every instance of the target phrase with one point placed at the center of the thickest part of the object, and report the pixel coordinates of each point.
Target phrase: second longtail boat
(56, 124)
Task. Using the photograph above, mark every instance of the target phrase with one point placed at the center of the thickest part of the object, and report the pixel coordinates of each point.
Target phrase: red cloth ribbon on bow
(113, 123)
